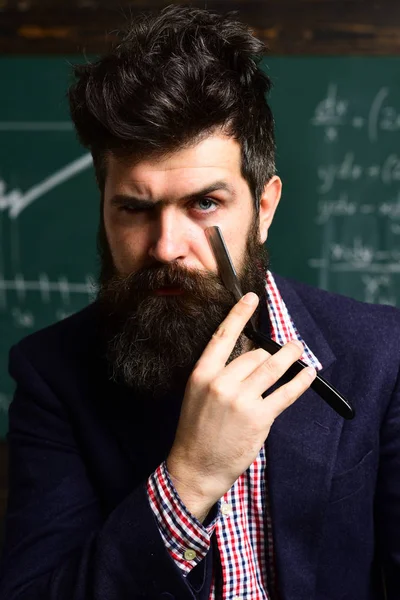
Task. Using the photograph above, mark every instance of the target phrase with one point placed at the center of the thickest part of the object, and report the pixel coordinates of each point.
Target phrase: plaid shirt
(242, 525)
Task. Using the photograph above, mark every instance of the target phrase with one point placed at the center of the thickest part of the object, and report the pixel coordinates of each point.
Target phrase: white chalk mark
(63, 286)
(20, 286)
(317, 263)
(340, 207)
(374, 113)
(330, 111)
(23, 318)
(37, 286)
(373, 286)
(10, 198)
(3, 299)
(16, 201)
(44, 288)
(341, 108)
(15, 246)
(331, 134)
(391, 169)
(62, 314)
(371, 268)
(91, 288)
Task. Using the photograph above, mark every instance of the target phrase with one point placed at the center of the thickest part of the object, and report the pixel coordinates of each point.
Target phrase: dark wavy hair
(174, 78)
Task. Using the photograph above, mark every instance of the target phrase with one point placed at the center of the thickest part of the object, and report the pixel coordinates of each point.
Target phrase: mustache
(201, 286)
(171, 275)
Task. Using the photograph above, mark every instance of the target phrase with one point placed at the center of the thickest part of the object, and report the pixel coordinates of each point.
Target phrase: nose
(169, 240)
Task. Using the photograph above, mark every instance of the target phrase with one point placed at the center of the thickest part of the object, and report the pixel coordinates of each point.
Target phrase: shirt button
(189, 554)
(226, 509)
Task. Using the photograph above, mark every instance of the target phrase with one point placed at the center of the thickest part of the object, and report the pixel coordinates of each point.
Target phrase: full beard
(153, 342)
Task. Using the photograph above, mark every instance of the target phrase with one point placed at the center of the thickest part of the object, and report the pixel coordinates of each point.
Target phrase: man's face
(160, 289)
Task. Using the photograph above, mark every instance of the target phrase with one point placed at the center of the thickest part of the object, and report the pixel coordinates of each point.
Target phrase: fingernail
(298, 344)
(311, 372)
(250, 298)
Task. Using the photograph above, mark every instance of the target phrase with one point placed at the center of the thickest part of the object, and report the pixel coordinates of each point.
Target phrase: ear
(268, 205)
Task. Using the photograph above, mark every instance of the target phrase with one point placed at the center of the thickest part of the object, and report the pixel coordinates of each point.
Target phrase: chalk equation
(375, 268)
(357, 194)
(360, 256)
(342, 206)
(376, 288)
(334, 112)
(348, 169)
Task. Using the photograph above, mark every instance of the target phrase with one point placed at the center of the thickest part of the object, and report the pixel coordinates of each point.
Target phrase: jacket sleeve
(179, 529)
(58, 544)
(387, 500)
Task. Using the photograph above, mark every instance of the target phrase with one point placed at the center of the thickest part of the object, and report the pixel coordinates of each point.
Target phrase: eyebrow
(120, 199)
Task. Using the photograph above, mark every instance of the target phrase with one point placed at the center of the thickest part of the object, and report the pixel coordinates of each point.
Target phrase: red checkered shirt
(242, 525)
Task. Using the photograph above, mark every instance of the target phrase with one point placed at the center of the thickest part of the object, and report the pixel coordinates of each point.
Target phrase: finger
(288, 393)
(271, 370)
(244, 365)
(219, 348)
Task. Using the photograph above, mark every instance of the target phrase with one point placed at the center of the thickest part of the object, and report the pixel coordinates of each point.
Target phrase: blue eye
(207, 201)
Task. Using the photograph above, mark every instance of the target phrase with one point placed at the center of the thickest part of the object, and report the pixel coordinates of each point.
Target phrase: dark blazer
(79, 526)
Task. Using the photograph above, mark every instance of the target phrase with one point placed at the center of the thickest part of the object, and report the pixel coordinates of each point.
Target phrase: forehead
(216, 157)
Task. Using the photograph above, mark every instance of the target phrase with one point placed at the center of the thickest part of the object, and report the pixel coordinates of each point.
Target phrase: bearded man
(155, 453)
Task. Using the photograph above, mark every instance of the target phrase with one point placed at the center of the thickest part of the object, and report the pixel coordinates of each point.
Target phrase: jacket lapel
(302, 448)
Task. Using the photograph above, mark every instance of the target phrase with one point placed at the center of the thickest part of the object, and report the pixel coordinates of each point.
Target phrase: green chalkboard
(48, 206)
(338, 135)
(338, 225)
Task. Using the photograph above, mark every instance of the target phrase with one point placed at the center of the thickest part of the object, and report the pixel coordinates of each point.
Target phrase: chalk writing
(343, 207)
(358, 195)
(334, 113)
(349, 169)
(332, 109)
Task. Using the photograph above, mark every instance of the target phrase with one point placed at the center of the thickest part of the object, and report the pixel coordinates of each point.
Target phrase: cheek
(237, 251)
(235, 239)
(126, 248)
(199, 253)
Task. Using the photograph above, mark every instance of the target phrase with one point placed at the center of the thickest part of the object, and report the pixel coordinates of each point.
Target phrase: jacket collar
(301, 449)
(304, 323)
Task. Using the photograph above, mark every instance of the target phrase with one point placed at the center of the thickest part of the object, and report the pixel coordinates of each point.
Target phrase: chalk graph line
(16, 201)
(45, 287)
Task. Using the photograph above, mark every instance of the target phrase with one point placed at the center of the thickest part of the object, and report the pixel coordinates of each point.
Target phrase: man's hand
(224, 420)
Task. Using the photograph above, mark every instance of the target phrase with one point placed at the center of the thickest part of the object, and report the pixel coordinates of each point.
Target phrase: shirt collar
(281, 325)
